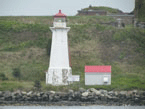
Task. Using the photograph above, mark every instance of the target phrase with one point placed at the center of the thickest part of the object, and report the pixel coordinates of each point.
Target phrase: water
(72, 107)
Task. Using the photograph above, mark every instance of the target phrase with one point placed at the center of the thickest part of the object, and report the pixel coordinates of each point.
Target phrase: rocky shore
(71, 98)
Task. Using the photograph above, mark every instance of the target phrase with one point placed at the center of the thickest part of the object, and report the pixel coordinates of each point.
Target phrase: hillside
(24, 44)
(108, 9)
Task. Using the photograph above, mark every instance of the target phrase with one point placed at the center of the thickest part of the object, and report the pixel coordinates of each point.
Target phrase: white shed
(97, 75)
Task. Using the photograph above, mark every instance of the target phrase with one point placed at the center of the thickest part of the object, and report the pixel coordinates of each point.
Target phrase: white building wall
(97, 78)
(59, 56)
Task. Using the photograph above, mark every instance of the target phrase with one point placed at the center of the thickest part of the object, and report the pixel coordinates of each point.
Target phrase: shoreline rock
(72, 98)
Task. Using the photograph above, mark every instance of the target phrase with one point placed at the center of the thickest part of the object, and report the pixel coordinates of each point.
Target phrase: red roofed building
(97, 75)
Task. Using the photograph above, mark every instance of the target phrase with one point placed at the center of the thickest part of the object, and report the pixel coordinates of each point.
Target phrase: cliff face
(140, 9)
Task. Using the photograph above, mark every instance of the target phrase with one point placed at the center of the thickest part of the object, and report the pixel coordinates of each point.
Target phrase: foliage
(37, 84)
(135, 34)
(108, 9)
(3, 77)
(139, 7)
(16, 73)
(48, 48)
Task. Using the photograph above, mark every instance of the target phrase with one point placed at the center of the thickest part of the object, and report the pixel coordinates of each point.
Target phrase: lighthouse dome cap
(60, 14)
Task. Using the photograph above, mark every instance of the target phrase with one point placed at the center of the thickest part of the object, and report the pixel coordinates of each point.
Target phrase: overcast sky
(51, 7)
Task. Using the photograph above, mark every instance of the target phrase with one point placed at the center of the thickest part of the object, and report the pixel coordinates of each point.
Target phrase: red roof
(60, 14)
(98, 69)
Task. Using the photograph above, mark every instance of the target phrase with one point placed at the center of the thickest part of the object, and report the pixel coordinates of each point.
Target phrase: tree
(16, 73)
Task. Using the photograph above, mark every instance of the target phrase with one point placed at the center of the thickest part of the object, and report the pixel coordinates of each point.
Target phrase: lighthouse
(59, 67)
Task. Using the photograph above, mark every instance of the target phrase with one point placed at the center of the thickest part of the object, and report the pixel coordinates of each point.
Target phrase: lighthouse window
(59, 19)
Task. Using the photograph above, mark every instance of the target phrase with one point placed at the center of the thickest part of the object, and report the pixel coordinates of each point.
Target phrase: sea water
(72, 107)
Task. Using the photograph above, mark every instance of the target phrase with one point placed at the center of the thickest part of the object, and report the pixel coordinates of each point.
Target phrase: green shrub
(16, 73)
(108, 9)
(48, 48)
(37, 84)
(3, 77)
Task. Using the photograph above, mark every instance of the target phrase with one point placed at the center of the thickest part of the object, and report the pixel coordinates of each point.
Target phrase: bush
(3, 77)
(16, 73)
(37, 84)
(48, 48)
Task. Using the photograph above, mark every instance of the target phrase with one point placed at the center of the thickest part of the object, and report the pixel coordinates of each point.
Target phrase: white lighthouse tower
(59, 67)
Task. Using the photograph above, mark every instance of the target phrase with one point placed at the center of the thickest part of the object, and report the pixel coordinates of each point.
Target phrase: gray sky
(51, 7)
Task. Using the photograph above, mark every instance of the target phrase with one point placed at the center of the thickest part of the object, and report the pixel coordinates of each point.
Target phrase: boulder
(63, 95)
(82, 90)
(52, 92)
(85, 94)
(14, 93)
(2, 98)
(77, 95)
(123, 93)
(1, 94)
(70, 98)
(30, 93)
(116, 93)
(83, 98)
(102, 95)
(109, 97)
(39, 98)
(111, 93)
(24, 93)
(28, 98)
(25, 97)
(18, 97)
(56, 98)
(135, 91)
(70, 91)
(38, 94)
(51, 97)
(129, 93)
(18, 92)
(97, 92)
(41, 93)
(115, 99)
(8, 95)
(92, 96)
(104, 92)
(137, 96)
(143, 93)
(34, 96)
(45, 97)
(142, 98)
(103, 98)
(92, 90)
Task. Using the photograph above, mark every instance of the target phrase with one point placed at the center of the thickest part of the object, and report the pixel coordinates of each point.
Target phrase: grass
(14, 85)
(24, 41)
(108, 9)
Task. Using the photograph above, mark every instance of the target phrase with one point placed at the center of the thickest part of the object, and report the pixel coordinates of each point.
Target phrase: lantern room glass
(59, 20)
